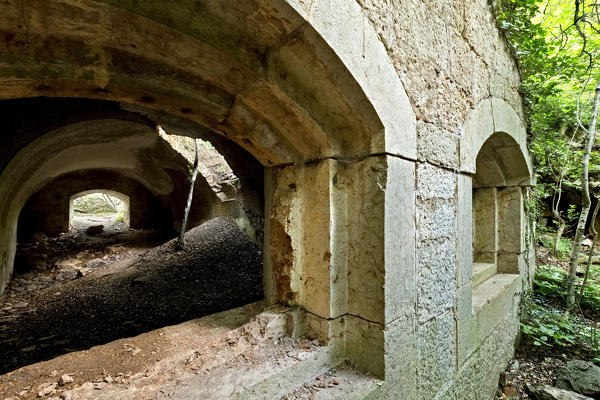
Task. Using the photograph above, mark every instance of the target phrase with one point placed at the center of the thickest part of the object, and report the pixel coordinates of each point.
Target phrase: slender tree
(585, 202)
(188, 205)
(589, 261)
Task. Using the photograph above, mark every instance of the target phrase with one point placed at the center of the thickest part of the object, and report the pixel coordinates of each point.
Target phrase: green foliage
(121, 216)
(546, 327)
(556, 64)
(544, 324)
(549, 282)
(564, 245)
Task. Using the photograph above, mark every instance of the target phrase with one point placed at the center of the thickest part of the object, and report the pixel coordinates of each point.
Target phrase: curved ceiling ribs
(255, 73)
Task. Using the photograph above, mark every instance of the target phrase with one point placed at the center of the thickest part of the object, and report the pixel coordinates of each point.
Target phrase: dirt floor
(85, 290)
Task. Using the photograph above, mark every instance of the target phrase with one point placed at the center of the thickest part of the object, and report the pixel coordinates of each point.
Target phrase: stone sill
(482, 272)
(493, 289)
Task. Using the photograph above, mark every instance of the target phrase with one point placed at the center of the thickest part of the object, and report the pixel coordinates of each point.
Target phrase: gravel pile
(219, 269)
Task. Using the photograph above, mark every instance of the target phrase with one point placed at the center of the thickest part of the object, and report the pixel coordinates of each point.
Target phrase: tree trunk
(181, 239)
(589, 260)
(562, 224)
(586, 202)
(559, 232)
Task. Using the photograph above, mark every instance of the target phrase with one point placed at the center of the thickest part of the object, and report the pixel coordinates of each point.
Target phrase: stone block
(511, 263)
(401, 355)
(315, 251)
(478, 126)
(511, 220)
(434, 182)
(436, 357)
(365, 345)
(466, 329)
(436, 219)
(381, 200)
(485, 211)
(367, 182)
(399, 239)
(308, 262)
(507, 120)
(464, 229)
(436, 145)
(436, 282)
(329, 332)
(493, 300)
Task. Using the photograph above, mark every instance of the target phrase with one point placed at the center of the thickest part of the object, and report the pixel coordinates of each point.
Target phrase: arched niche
(496, 170)
(498, 211)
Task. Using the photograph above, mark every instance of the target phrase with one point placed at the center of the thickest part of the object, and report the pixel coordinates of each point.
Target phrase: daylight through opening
(99, 210)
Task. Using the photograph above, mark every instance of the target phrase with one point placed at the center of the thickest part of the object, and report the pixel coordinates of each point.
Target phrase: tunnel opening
(95, 258)
(297, 113)
(96, 211)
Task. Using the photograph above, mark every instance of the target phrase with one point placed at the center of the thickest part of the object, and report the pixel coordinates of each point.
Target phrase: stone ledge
(482, 272)
(492, 290)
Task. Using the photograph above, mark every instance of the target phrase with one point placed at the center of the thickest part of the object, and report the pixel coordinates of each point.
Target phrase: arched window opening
(97, 210)
(498, 214)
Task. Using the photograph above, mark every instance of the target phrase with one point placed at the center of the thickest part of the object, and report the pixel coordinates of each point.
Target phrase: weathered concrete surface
(369, 116)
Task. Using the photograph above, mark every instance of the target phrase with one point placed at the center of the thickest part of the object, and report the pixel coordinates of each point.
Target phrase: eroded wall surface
(368, 117)
(451, 58)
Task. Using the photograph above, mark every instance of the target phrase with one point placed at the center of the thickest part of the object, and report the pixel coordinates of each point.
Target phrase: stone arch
(48, 210)
(495, 169)
(307, 88)
(212, 82)
(497, 116)
(128, 149)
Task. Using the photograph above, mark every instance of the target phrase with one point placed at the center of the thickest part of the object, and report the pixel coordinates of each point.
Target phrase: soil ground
(117, 287)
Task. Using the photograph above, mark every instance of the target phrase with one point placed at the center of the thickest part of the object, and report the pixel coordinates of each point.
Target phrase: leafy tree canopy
(557, 43)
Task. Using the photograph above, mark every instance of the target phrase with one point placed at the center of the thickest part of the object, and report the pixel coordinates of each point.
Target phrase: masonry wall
(450, 57)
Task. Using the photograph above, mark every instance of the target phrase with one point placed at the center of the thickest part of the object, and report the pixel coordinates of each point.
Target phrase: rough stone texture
(436, 358)
(437, 145)
(436, 277)
(511, 215)
(464, 229)
(338, 99)
(580, 376)
(546, 392)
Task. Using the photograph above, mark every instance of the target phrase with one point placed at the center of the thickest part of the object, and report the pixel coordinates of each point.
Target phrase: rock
(96, 262)
(510, 392)
(67, 274)
(66, 395)
(94, 229)
(581, 377)
(46, 388)
(100, 385)
(20, 304)
(65, 380)
(545, 392)
(39, 237)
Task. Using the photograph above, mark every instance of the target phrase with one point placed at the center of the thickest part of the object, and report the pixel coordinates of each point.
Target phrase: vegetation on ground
(99, 204)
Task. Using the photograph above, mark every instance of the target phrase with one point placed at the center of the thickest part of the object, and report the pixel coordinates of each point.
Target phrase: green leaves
(544, 324)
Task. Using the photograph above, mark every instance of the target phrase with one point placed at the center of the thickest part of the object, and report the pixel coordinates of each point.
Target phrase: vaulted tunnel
(76, 147)
(291, 107)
